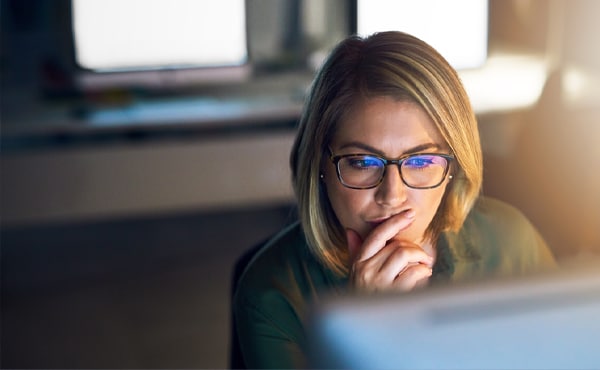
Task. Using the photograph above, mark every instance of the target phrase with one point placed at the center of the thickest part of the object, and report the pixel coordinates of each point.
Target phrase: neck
(429, 247)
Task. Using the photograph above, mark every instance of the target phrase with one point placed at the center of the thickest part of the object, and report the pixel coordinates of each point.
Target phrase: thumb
(354, 243)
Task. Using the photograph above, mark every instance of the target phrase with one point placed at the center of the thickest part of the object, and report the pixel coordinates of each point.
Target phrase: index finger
(379, 237)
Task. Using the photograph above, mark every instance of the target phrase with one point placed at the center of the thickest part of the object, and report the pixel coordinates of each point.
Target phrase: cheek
(346, 203)
(430, 202)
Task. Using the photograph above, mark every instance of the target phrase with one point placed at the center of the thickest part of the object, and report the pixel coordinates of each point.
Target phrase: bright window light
(506, 82)
(127, 35)
(580, 86)
(458, 29)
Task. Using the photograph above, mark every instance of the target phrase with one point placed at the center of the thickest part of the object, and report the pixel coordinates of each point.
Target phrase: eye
(420, 161)
(364, 162)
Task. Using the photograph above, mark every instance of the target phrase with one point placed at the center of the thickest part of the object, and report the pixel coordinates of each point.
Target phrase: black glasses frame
(335, 159)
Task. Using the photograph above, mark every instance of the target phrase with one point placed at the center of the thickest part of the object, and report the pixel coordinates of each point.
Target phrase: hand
(382, 263)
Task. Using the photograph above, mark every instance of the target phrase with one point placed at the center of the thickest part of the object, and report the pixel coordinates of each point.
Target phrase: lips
(379, 220)
(376, 222)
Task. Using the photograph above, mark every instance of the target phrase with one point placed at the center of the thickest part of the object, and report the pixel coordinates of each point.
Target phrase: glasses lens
(422, 171)
(360, 171)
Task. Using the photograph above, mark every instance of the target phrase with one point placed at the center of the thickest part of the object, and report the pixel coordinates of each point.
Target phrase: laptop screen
(544, 322)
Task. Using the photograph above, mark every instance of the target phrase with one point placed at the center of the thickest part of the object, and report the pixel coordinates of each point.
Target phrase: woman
(387, 171)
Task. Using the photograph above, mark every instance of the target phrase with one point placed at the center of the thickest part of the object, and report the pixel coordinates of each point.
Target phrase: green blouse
(284, 279)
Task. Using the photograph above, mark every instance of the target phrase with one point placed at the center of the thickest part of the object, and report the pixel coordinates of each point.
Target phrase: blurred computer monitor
(542, 322)
(158, 44)
(458, 29)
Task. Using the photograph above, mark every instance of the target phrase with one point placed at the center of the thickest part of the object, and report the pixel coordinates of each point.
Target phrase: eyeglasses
(417, 171)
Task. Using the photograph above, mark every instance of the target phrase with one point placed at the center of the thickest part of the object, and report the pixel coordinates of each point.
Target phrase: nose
(392, 190)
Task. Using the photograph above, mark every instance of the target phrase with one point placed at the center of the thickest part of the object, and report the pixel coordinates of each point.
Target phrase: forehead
(390, 125)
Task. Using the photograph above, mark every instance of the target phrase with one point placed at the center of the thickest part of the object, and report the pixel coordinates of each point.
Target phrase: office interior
(119, 235)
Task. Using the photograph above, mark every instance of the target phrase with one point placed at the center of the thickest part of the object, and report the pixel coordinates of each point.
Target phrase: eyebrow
(370, 149)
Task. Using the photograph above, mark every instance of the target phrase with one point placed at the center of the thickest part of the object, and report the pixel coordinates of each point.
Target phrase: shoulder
(281, 253)
(274, 292)
(284, 269)
(270, 302)
(502, 239)
(495, 216)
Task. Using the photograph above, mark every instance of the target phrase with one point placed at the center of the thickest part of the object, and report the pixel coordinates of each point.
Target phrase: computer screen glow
(130, 35)
(458, 29)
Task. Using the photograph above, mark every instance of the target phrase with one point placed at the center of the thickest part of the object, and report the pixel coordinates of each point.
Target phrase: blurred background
(129, 187)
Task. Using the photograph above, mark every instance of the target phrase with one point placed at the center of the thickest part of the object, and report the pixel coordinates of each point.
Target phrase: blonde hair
(397, 65)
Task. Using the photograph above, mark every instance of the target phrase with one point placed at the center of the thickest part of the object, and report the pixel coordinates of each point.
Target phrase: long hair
(392, 64)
